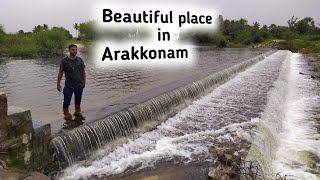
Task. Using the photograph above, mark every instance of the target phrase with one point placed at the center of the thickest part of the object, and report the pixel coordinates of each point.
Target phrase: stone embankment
(21, 146)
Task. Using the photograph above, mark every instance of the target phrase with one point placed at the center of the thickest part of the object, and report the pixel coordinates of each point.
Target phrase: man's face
(73, 51)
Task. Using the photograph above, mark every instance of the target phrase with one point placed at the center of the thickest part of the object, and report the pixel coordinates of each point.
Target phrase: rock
(2, 175)
(10, 175)
(215, 173)
(225, 177)
(20, 130)
(3, 164)
(308, 158)
(230, 172)
(21, 122)
(228, 156)
(236, 153)
(36, 176)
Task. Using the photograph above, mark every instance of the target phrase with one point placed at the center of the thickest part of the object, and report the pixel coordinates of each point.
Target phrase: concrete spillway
(227, 114)
(81, 143)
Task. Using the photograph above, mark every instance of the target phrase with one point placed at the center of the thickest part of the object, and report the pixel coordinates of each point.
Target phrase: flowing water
(291, 126)
(224, 117)
(287, 142)
(31, 84)
(80, 143)
(270, 104)
(299, 141)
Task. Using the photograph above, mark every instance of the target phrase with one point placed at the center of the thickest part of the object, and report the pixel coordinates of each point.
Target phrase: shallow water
(31, 84)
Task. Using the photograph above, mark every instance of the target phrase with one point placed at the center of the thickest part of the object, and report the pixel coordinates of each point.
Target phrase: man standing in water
(75, 74)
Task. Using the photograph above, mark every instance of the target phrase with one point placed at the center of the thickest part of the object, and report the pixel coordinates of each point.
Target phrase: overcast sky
(25, 14)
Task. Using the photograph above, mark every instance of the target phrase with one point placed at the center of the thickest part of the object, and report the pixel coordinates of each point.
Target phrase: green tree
(256, 25)
(265, 28)
(51, 42)
(66, 33)
(233, 28)
(305, 26)
(2, 38)
(45, 27)
(292, 22)
(40, 28)
(86, 31)
(243, 22)
(1, 29)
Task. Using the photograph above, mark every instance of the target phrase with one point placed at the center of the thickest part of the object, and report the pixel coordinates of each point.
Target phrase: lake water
(31, 83)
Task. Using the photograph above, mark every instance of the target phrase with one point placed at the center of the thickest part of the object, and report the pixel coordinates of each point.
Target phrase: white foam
(191, 132)
(299, 135)
(165, 148)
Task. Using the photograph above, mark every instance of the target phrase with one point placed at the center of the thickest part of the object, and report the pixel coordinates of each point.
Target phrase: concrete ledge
(21, 146)
(41, 151)
(20, 122)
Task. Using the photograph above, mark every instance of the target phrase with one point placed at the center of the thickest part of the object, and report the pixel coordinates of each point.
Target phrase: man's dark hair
(71, 46)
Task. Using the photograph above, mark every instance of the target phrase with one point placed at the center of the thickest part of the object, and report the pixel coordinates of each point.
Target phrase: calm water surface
(31, 83)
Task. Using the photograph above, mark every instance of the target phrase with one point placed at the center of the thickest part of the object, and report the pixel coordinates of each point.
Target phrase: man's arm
(60, 74)
(84, 77)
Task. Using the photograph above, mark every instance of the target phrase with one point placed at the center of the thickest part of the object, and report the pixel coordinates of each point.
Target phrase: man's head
(73, 50)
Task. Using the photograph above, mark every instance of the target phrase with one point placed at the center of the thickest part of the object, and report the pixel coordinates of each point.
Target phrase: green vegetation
(42, 42)
(300, 35)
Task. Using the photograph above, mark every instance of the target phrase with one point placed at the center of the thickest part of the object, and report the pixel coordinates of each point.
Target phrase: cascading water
(265, 141)
(287, 142)
(81, 143)
(299, 141)
(223, 118)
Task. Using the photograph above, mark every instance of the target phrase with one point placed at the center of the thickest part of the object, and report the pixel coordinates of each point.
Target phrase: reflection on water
(31, 84)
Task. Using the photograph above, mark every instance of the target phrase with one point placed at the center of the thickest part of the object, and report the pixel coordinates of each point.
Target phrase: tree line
(299, 35)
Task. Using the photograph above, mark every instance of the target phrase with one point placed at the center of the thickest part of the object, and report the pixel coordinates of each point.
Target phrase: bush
(17, 45)
(50, 42)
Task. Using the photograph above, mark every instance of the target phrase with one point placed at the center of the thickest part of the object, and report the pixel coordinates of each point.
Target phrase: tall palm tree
(76, 27)
(45, 26)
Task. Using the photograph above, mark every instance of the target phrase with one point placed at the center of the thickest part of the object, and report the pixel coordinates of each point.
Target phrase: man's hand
(59, 88)
(60, 74)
